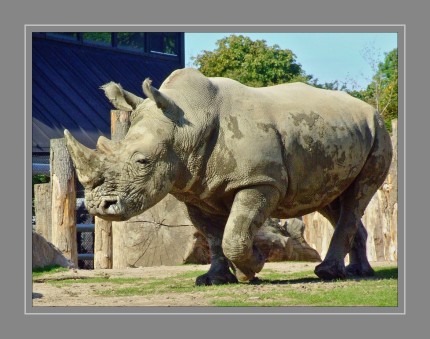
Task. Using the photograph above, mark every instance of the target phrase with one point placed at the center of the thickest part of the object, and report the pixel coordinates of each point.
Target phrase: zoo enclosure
(60, 214)
(380, 218)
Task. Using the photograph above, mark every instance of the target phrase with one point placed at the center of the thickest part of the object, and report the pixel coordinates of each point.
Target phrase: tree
(252, 63)
(385, 87)
(333, 86)
(382, 92)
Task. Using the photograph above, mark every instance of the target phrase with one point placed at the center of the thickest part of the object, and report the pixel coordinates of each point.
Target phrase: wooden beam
(43, 210)
(63, 200)
(104, 244)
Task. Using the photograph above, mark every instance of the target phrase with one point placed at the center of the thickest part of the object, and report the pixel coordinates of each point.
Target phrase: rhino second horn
(85, 160)
(105, 145)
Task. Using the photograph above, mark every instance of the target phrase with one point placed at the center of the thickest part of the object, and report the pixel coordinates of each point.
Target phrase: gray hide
(236, 155)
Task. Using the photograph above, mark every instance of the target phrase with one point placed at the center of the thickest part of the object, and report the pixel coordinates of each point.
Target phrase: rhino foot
(245, 271)
(209, 278)
(360, 270)
(330, 270)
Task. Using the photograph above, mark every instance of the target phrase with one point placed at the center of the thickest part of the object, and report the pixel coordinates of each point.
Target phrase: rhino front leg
(250, 209)
(211, 227)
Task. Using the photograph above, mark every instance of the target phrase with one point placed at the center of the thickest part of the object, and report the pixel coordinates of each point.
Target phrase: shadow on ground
(381, 274)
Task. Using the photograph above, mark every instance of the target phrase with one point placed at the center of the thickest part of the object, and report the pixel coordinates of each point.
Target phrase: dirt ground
(83, 294)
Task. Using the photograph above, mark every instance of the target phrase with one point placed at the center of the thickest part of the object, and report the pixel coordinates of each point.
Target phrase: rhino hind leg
(358, 263)
(350, 235)
(212, 229)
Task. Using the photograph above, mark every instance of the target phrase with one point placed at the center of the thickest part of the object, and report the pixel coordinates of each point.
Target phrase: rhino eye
(142, 161)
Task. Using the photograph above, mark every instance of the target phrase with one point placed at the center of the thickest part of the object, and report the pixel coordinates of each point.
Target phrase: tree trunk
(42, 207)
(107, 242)
(162, 235)
(63, 200)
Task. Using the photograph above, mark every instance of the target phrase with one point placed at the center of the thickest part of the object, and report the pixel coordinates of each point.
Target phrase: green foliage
(40, 179)
(47, 270)
(382, 92)
(134, 40)
(98, 37)
(252, 63)
(334, 86)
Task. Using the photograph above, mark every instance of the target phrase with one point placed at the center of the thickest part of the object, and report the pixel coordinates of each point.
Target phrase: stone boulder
(46, 254)
(279, 241)
(302, 251)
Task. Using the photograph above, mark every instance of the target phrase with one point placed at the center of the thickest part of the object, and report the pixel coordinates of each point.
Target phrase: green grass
(181, 283)
(304, 289)
(47, 270)
(272, 289)
(97, 280)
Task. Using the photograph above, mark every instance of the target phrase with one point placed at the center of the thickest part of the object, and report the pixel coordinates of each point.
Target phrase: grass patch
(97, 280)
(47, 270)
(276, 276)
(180, 283)
(273, 289)
(304, 289)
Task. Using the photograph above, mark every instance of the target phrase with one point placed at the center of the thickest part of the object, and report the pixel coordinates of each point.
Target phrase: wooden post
(120, 123)
(104, 245)
(63, 200)
(42, 208)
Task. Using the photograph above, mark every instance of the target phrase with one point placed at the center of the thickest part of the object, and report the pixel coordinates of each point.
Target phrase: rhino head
(124, 178)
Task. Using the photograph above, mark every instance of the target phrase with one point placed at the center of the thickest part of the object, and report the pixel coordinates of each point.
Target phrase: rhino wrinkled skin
(237, 155)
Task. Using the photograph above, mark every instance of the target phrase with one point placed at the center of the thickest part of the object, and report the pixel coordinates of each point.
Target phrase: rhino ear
(167, 105)
(120, 98)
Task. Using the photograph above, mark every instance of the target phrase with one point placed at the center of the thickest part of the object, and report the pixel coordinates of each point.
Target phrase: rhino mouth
(108, 208)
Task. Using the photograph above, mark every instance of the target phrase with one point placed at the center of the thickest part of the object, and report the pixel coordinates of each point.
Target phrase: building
(69, 68)
(67, 72)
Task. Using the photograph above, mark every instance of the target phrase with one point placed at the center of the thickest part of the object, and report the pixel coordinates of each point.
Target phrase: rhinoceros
(237, 155)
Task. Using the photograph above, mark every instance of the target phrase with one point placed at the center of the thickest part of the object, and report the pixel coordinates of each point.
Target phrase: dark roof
(66, 80)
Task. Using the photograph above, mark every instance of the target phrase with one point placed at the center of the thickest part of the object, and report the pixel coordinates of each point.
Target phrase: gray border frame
(414, 14)
(399, 29)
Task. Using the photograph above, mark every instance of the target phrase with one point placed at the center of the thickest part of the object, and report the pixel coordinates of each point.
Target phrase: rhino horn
(167, 105)
(86, 161)
(106, 145)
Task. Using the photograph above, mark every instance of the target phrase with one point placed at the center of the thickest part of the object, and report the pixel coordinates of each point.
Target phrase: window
(63, 35)
(135, 41)
(98, 38)
(165, 43)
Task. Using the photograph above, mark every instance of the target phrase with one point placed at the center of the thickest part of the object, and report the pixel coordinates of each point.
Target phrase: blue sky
(326, 56)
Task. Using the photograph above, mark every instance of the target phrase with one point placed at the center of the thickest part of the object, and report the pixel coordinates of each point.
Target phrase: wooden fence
(55, 204)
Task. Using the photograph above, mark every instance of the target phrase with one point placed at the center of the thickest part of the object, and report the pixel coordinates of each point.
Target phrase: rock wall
(380, 219)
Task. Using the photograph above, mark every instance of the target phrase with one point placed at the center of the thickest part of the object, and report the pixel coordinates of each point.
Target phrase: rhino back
(307, 142)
